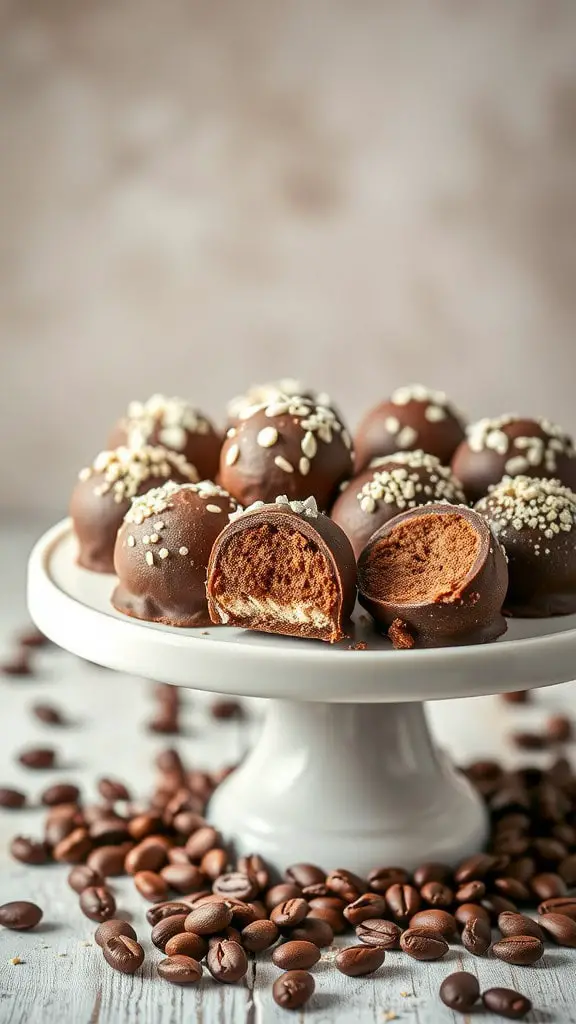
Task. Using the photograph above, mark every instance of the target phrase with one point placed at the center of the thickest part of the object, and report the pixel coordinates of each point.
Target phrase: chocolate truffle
(105, 490)
(535, 521)
(390, 486)
(283, 568)
(434, 577)
(413, 418)
(271, 391)
(511, 446)
(176, 425)
(290, 446)
(162, 552)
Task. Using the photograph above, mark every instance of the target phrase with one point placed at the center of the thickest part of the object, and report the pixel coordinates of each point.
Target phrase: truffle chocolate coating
(283, 568)
(413, 418)
(290, 447)
(176, 425)
(512, 446)
(535, 520)
(104, 492)
(162, 553)
(435, 576)
(389, 486)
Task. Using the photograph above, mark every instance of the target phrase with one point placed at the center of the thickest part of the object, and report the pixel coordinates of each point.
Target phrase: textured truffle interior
(425, 558)
(272, 567)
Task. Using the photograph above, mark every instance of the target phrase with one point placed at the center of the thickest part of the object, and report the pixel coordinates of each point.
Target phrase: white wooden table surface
(63, 978)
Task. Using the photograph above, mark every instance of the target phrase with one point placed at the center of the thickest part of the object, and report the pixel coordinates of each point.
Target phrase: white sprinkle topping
(516, 465)
(521, 502)
(173, 418)
(308, 445)
(160, 525)
(392, 424)
(407, 437)
(159, 499)
(131, 541)
(308, 507)
(434, 413)
(407, 479)
(149, 558)
(125, 472)
(267, 437)
(154, 538)
(163, 553)
(85, 473)
(145, 539)
(283, 463)
(213, 508)
(183, 550)
(525, 451)
(304, 466)
(232, 454)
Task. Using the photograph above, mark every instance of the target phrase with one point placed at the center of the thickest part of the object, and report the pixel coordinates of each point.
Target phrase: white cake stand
(345, 772)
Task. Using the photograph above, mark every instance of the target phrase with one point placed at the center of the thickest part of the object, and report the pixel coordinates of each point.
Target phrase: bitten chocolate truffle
(435, 577)
(413, 418)
(283, 568)
(392, 485)
(174, 424)
(162, 552)
(271, 391)
(535, 520)
(512, 446)
(105, 490)
(290, 446)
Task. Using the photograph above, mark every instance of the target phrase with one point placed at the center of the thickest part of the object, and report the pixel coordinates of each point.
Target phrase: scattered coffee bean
(293, 989)
(529, 740)
(28, 851)
(432, 871)
(74, 848)
(559, 729)
(186, 944)
(380, 879)
(109, 829)
(356, 961)
(520, 950)
(254, 867)
(333, 918)
(167, 928)
(280, 893)
(290, 913)
(245, 913)
(559, 905)
(61, 793)
(423, 945)
(209, 918)
(560, 928)
(143, 825)
(379, 932)
(32, 637)
(227, 961)
(214, 863)
(476, 867)
(506, 1002)
(202, 840)
(296, 955)
(346, 884)
(180, 970)
(151, 886)
(550, 851)
(477, 936)
(111, 789)
(237, 885)
(18, 665)
(224, 710)
(112, 929)
(148, 855)
(402, 901)
(82, 876)
(470, 892)
(567, 870)
(494, 905)
(97, 903)
(516, 697)
(165, 722)
(519, 924)
(313, 929)
(48, 714)
(548, 885)
(12, 799)
(305, 874)
(460, 991)
(369, 905)
(38, 758)
(20, 915)
(123, 954)
(437, 894)
(160, 911)
(439, 922)
(259, 935)
(108, 861)
(183, 877)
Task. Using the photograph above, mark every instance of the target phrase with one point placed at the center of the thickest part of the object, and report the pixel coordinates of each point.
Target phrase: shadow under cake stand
(345, 772)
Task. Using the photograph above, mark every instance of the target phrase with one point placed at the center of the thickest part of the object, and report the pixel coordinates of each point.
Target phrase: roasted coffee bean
(18, 665)
(208, 918)
(423, 945)
(48, 714)
(293, 989)
(305, 874)
(32, 637)
(108, 860)
(167, 928)
(236, 885)
(109, 830)
(160, 911)
(550, 852)
(296, 955)
(254, 867)
(523, 868)
(290, 913)
(346, 884)
(187, 944)
(559, 905)
(567, 870)
(183, 877)
(437, 894)
(467, 912)
(244, 913)
(380, 879)
(214, 863)
(61, 793)
(38, 758)
(97, 903)
(470, 892)
(516, 697)
(280, 893)
(83, 876)
(178, 855)
(402, 901)
(151, 886)
(438, 922)
(506, 1002)
(224, 710)
(460, 991)
(12, 799)
(230, 933)
(477, 936)
(476, 867)
(519, 949)
(371, 904)
(148, 855)
(559, 729)
(519, 924)
(513, 844)
(496, 905)
(165, 722)
(28, 851)
(20, 915)
(333, 918)
(112, 929)
(180, 970)
(319, 889)
(313, 929)
(169, 760)
(560, 928)
(432, 871)
(327, 903)
(547, 886)
(512, 889)
(378, 932)
(227, 961)
(185, 822)
(123, 954)
(202, 840)
(530, 740)
(356, 961)
(74, 848)
(112, 789)
(259, 935)
(143, 825)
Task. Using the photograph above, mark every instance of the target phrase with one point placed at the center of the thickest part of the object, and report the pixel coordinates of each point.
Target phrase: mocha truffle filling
(280, 573)
(424, 559)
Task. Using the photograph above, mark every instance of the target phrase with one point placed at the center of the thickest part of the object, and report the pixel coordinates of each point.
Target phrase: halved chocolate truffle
(105, 490)
(434, 577)
(413, 418)
(174, 424)
(535, 520)
(392, 485)
(271, 391)
(512, 446)
(162, 552)
(290, 446)
(283, 568)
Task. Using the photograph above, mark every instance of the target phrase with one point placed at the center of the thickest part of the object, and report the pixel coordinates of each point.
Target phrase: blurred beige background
(195, 195)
